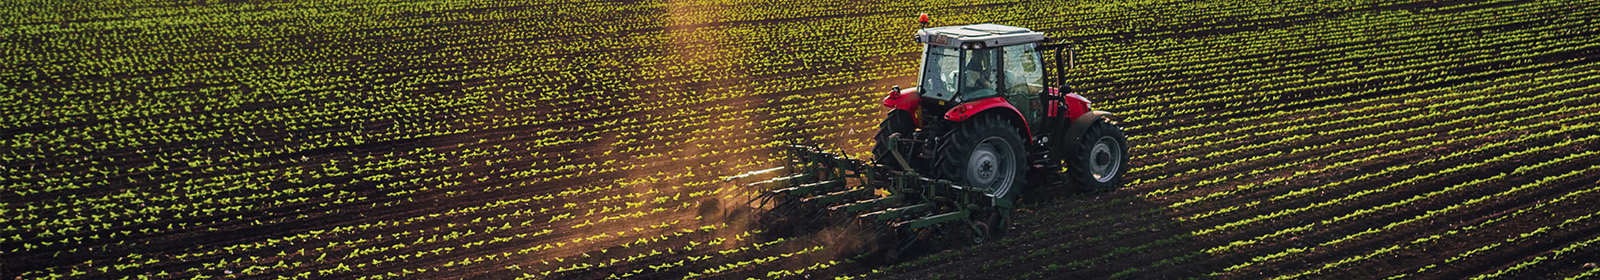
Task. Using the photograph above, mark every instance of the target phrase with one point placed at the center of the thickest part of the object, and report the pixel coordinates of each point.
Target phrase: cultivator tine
(782, 206)
(933, 220)
(796, 178)
(752, 173)
(784, 182)
(864, 205)
(895, 213)
(837, 196)
(906, 243)
(810, 188)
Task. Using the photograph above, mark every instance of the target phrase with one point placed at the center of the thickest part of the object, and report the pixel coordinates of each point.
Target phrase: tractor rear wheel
(1101, 159)
(898, 121)
(986, 153)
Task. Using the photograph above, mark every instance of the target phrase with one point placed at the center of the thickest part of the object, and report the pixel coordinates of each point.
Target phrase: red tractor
(960, 146)
(983, 115)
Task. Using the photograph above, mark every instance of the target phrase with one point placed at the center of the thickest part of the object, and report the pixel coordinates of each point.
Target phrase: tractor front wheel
(898, 121)
(1101, 159)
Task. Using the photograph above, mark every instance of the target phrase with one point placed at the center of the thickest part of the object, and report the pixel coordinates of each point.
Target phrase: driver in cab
(979, 78)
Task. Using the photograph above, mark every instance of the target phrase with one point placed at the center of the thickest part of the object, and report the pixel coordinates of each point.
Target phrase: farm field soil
(483, 139)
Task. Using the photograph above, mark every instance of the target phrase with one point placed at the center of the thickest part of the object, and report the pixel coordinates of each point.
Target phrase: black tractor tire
(898, 121)
(1101, 158)
(1004, 159)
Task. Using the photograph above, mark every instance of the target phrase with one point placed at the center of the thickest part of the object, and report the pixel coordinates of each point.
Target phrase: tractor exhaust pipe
(1061, 72)
(1072, 62)
(1062, 63)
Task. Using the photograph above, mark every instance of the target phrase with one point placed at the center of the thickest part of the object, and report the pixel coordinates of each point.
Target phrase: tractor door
(1023, 80)
(979, 77)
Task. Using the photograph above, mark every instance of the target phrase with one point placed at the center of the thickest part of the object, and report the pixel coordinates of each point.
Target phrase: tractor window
(1024, 72)
(979, 77)
(940, 67)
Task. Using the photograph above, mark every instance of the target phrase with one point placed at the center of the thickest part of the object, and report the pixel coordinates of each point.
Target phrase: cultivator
(895, 203)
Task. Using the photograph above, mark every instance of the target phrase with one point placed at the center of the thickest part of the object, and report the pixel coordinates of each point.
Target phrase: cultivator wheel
(980, 232)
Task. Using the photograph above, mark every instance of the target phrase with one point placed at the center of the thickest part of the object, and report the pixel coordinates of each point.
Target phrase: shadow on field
(1059, 232)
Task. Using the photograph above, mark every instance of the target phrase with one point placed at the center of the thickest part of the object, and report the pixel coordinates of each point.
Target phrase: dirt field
(586, 140)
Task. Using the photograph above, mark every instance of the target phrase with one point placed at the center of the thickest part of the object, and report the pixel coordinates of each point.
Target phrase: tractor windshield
(940, 71)
(949, 72)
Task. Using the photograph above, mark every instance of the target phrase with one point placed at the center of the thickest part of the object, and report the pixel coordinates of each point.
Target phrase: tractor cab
(963, 63)
(965, 68)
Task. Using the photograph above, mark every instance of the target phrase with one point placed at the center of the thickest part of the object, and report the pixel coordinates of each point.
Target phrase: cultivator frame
(895, 203)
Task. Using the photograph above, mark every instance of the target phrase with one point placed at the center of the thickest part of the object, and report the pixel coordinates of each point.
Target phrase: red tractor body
(997, 74)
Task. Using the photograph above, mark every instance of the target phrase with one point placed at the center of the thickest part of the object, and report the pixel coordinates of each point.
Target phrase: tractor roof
(977, 36)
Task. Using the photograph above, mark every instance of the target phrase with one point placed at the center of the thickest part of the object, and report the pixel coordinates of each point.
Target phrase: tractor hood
(977, 36)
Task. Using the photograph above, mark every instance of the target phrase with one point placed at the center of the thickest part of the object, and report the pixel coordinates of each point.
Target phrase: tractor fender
(1082, 124)
(1066, 104)
(997, 105)
(904, 99)
(1076, 105)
